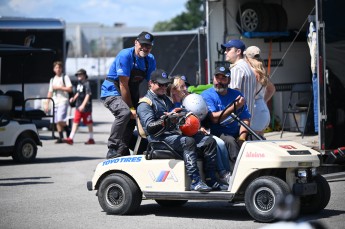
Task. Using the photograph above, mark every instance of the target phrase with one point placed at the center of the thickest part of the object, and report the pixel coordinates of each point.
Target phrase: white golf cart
(18, 137)
(264, 173)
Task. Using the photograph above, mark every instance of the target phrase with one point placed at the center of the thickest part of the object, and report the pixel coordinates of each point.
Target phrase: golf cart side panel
(14, 129)
(157, 175)
(260, 155)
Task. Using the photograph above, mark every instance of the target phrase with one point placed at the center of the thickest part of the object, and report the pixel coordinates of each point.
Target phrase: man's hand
(133, 114)
(240, 142)
(170, 120)
(241, 101)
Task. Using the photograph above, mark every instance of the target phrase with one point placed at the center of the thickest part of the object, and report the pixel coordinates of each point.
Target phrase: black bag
(70, 94)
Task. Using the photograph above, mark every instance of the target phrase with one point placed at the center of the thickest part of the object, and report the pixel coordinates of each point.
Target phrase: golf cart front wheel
(25, 150)
(119, 195)
(263, 195)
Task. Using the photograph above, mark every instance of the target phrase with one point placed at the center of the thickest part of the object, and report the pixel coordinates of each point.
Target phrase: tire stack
(262, 17)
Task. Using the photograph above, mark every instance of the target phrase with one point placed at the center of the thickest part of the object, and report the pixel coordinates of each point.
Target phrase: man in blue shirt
(217, 98)
(120, 91)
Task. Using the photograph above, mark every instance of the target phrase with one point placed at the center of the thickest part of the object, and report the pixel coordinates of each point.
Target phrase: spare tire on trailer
(253, 17)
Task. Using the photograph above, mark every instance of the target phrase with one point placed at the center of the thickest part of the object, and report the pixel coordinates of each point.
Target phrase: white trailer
(280, 28)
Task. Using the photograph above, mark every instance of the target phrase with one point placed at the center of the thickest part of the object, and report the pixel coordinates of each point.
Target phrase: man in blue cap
(217, 98)
(242, 76)
(120, 91)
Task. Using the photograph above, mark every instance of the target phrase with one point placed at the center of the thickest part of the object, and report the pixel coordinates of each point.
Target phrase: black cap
(81, 71)
(160, 76)
(222, 70)
(145, 38)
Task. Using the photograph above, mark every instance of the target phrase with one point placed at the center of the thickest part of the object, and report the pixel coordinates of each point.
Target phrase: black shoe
(217, 186)
(112, 153)
(225, 178)
(59, 141)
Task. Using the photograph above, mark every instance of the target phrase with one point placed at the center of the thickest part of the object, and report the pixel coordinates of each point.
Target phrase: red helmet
(191, 125)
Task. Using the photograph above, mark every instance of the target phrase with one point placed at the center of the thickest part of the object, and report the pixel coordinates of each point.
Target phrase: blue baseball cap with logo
(234, 43)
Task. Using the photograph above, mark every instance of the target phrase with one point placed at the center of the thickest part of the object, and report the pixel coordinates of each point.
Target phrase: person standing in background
(264, 91)
(83, 107)
(59, 87)
(242, 76)
(120, 91)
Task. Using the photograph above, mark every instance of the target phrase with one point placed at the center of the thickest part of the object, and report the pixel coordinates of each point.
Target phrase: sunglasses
(147, 46)
(161, 84)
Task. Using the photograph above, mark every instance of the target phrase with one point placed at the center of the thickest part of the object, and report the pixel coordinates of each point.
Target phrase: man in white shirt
(242, 76)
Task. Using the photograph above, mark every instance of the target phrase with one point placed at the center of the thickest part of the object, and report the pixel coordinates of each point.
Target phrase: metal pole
(208, 42)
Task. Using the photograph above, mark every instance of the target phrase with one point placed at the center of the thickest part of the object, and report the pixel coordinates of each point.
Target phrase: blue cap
(234, 43)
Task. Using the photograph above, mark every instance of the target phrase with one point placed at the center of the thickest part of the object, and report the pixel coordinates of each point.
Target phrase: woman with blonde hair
(177, 91)
(264, 91)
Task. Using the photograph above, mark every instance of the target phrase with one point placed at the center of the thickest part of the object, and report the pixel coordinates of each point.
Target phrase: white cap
(252, 52)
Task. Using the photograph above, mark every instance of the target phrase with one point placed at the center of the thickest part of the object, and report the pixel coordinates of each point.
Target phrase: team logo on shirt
(120, 71)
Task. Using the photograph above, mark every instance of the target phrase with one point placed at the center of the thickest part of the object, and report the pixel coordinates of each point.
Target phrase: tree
(191, 19)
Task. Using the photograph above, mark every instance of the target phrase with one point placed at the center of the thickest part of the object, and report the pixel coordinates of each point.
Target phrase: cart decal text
(256, 155)
(122, 160)
(163, 176)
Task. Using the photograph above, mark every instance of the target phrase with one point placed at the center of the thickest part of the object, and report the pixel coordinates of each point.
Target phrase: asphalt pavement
(52, 193)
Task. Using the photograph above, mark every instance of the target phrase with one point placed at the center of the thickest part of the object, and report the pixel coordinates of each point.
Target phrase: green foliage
(191, 19)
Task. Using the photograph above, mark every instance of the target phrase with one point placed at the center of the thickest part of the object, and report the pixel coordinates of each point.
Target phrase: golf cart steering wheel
(230, 119)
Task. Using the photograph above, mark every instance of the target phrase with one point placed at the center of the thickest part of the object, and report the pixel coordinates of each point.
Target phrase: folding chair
(300, 102)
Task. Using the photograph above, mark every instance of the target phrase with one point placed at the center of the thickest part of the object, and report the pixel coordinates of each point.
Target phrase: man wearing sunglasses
(120, 91)
(154, 112)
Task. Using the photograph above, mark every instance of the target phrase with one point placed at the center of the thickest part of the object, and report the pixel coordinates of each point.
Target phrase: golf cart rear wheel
(118, 194)
(171, 203)
(263, 195)
(25, 150)
(317, 202)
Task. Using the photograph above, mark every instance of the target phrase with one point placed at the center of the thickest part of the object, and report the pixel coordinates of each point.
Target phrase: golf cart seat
(18, 107)
(5, 109)
(19, 110)
(155, 149)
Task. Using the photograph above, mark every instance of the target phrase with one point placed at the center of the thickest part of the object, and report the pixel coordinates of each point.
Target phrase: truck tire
(25, 150)
(118, 194)
(317, 202)
(263, 195)
(171, 203)
(253, 17)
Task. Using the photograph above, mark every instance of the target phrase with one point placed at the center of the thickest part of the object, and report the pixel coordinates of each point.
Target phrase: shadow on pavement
(203, 210)
(23, 181)
(10, 162)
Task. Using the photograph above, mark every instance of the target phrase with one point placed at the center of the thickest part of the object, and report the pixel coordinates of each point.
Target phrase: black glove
(170, 121)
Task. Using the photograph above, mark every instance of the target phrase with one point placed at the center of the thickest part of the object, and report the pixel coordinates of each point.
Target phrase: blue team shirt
(216, 102)
(122, 66)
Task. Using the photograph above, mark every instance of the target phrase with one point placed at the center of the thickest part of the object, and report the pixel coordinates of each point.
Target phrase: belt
(110, 79)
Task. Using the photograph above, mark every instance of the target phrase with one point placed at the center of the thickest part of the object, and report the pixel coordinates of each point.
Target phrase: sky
(107, 12)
